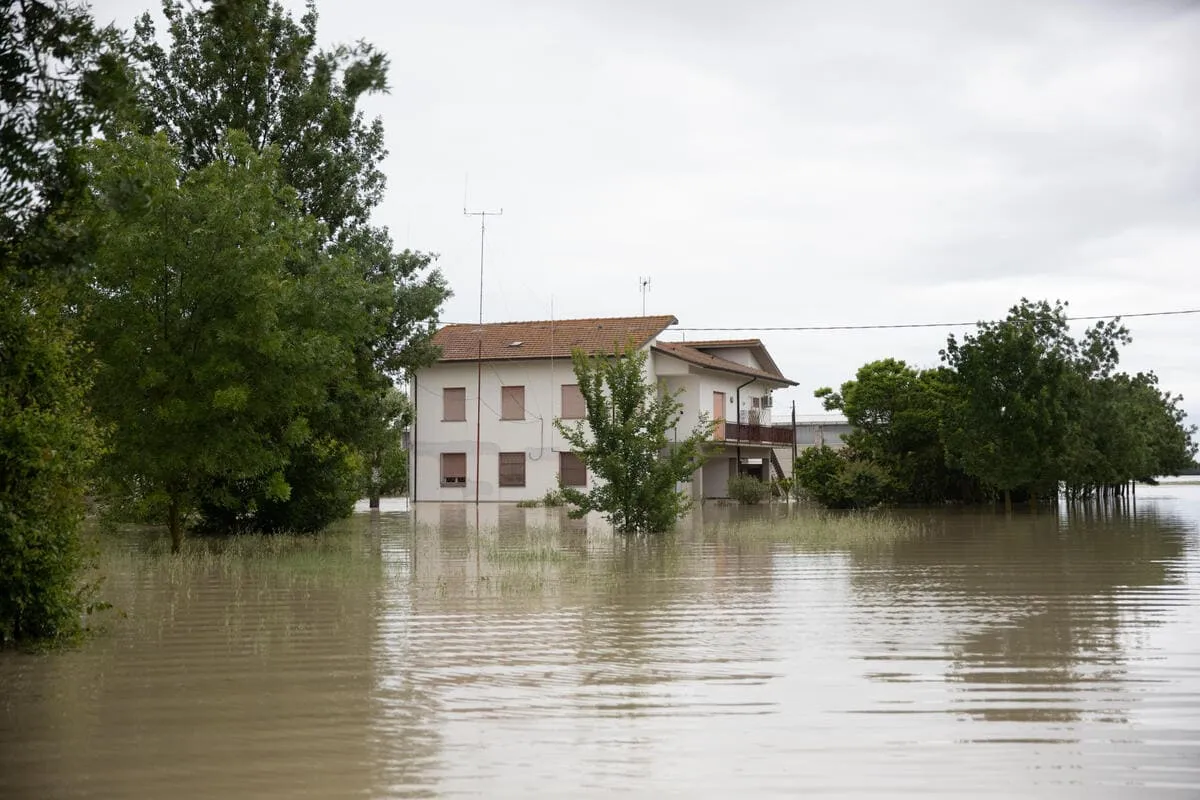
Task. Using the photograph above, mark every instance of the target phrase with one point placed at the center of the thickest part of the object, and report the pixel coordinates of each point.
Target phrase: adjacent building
(484, 412)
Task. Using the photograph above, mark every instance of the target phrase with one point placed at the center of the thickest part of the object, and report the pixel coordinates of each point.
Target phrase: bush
(47, 443)
(748, 490)
(835, 481)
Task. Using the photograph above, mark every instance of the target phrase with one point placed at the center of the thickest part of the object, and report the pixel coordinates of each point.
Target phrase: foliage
(896, 413)
(385, 461)
(325, 477)
(59, 78)
(216, 321)
(1020, 408)
(747, 489)
(551, 499)
(47, 442)
(249, 65)
(626, 447)
(834, 480)
(1010, 422)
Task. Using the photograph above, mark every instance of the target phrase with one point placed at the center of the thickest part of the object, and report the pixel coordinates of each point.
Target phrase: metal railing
(759, 434)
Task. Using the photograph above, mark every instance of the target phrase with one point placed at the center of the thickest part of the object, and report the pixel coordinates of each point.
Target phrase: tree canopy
(1019, 406)
(216, 319)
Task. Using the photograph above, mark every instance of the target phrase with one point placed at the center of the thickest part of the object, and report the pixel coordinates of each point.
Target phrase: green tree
(47, 444)
(624, 442)
(385, 466)
(1011, 419)
(896, 413)
(249, 65)
(59, 78)
(216, 318)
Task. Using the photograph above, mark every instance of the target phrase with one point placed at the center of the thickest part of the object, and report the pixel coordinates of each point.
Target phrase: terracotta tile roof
(546, 338)
(756, 345)
(686, 352)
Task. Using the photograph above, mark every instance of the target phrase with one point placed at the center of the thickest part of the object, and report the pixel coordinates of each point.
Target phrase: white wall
(535, 435)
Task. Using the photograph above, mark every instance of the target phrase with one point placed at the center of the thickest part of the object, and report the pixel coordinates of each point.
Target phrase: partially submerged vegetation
(624, 443)
(1020, 409)
(819, 529)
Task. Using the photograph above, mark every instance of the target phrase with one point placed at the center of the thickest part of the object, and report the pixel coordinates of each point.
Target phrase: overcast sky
(799, 163)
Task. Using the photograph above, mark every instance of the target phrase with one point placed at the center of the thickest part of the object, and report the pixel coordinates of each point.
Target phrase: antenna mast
(644, 288)
(483, 215)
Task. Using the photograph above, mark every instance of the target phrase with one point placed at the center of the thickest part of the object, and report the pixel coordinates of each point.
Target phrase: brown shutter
(454, 469)
(571, 471)
(512, 469)
(512, 402)
(573, 406)
(454, 405)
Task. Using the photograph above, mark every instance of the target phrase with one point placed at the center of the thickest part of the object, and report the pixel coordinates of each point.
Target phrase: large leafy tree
(216, 317)
(896, 412)
(60, 77)
(249, 65)
(1012, 417)
(624, 442)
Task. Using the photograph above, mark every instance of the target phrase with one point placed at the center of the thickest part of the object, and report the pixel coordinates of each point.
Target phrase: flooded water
(752, 654)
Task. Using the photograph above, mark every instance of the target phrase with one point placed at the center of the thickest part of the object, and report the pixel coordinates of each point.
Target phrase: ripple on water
(409, 655)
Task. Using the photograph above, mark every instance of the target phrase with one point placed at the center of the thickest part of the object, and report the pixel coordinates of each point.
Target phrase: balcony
(750, 433)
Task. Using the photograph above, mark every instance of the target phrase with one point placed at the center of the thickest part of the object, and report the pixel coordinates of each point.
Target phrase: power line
(877, 327)
(922, 324)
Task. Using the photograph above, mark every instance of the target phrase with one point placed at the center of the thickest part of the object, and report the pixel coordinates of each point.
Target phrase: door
(719, 415)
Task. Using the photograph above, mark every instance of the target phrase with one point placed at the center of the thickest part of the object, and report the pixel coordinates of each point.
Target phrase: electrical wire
(895, 326)
(924, 324)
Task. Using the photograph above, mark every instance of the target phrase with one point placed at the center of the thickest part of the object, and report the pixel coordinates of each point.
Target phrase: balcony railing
(758, 434)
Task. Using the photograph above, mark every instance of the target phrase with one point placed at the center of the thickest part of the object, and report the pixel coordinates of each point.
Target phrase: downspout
(738, 404)
(412, 446)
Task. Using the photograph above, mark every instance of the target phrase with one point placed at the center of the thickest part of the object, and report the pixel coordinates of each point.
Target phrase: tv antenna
(644, 288)
(483, 215)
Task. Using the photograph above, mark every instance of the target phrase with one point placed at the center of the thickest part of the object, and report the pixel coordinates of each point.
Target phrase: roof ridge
(672, 317)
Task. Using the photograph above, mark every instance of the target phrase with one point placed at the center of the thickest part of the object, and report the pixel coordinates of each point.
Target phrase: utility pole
(793, 451)
(483, 215)
(644, 287)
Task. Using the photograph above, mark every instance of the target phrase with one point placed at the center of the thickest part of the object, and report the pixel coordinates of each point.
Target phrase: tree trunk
(374, 499)
(1007, 501)
(173, 523)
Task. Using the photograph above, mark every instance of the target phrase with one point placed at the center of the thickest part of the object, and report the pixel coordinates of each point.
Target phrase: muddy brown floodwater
(755, 653)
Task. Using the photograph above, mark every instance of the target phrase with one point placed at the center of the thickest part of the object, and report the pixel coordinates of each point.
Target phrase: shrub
(748, 490)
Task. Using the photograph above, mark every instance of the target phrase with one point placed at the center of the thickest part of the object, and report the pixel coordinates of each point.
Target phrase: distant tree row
(1018, 409)
(199, 322)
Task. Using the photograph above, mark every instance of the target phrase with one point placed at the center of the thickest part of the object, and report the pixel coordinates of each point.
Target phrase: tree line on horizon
(200, 323)
(1018, 410)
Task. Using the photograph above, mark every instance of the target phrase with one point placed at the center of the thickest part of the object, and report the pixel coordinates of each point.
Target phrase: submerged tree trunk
(374, 498)
(1007, 501)
(174, 524)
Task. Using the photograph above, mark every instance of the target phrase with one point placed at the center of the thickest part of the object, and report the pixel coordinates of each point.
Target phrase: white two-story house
(484, 412)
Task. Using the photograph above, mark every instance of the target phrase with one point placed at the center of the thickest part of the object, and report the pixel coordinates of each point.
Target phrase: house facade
(484, 412)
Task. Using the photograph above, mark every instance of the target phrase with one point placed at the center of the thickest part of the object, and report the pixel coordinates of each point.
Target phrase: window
(571, 471)
(454, 405)
(512, 469)
(573, 406)
(512, 402)
(454, 469)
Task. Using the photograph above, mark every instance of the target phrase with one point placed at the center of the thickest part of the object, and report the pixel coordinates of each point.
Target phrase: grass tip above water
(825, 529)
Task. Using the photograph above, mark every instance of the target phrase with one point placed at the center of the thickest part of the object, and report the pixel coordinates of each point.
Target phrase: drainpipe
(738, 403)
(412, 447)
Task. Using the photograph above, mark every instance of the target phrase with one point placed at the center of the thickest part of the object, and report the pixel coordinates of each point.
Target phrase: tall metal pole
(793, 491)
(483, 215)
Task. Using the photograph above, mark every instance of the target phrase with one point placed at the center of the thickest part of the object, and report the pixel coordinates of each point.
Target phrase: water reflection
(446, 650)
(1037, 611)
